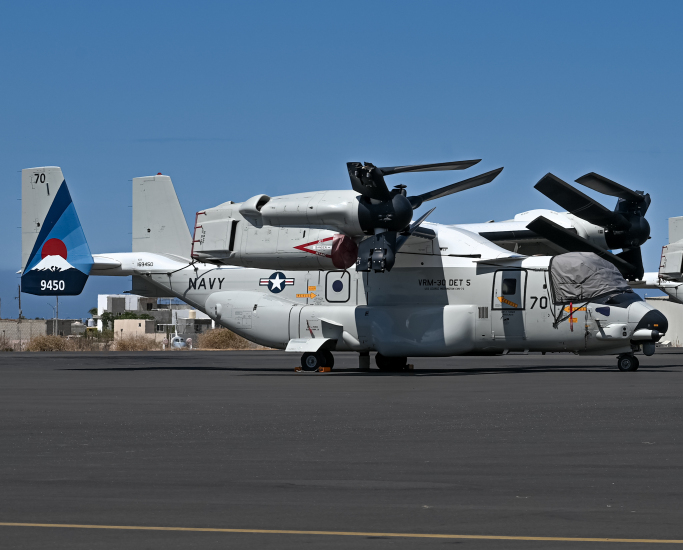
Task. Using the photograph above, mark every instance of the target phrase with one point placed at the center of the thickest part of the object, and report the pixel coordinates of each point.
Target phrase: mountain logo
(52, 263)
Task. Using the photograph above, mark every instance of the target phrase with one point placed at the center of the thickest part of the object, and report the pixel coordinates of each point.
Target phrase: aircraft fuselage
(428, 305)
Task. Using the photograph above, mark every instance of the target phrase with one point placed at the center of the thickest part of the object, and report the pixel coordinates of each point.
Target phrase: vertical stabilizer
(671, 262)
(675, 229)
(56, 259)
(158, 222)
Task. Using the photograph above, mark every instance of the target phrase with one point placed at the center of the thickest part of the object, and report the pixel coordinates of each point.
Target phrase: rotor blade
(575, 202)
(455, 165)
(405, 235)
(601, 184)
(634, 256)
(368, 181)
(476, 181)
(573, 243)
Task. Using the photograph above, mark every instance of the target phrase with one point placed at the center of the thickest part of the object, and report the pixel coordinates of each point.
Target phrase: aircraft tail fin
(159, 225)
(55, 257)
(675, 229)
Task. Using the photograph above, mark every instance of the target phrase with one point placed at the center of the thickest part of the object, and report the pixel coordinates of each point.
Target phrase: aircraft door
(295, 321)
(507, 307)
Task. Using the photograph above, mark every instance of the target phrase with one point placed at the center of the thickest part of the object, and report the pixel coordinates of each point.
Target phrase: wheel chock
(320, 369)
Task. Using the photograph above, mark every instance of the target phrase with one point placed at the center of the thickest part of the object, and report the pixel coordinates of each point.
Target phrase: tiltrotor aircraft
(345, 270)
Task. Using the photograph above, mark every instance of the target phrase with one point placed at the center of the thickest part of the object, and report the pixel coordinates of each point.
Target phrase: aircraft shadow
(593, 369)
(597, 369)
(236, 369)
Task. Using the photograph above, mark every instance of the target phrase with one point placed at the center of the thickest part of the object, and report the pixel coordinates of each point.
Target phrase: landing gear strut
(627, 362)
(312, 361)
(391, 364)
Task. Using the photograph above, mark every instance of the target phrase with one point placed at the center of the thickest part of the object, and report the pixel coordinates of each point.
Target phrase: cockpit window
(624, 299)
(583, 277)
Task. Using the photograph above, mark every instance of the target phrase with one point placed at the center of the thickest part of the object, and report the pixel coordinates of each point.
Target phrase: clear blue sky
(237, 98)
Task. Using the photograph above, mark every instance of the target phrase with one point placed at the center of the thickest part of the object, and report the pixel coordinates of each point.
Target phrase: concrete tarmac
(556, 446)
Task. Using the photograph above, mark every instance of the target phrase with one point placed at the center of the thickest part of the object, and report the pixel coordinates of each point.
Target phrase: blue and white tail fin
(56, 259)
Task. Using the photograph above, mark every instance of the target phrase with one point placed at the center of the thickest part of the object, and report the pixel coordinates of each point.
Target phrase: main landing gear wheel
(329, 358)
(310, 362)
(627, 363)
(391, 364)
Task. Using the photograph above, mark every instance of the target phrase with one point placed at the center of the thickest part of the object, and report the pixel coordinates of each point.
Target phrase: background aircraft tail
(55, 256)
(159, 225)
(671, 262)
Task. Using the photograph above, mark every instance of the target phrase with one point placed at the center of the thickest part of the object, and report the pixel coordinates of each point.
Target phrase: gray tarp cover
(580, 276)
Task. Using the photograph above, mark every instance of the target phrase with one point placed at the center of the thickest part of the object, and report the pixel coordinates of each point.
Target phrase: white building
(166, 311)
(674, 313)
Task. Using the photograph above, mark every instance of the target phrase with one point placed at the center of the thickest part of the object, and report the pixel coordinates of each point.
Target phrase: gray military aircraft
(345, 270)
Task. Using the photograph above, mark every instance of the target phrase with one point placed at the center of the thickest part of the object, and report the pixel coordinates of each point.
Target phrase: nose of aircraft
(653, 320)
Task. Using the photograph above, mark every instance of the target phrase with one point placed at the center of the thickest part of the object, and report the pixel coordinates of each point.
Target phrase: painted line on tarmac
(338, 533)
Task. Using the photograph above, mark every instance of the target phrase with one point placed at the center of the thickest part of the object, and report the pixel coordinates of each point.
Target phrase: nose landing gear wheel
(627, 363)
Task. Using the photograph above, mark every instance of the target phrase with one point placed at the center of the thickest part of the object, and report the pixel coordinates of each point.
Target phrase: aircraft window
(233, 233)
(509, 287)
(624, 299)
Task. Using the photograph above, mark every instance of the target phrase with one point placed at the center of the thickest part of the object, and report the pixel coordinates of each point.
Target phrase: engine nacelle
(278, 233)
(333, 210)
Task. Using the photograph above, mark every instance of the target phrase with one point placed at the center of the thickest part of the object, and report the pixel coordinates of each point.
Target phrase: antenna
(18, 297)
